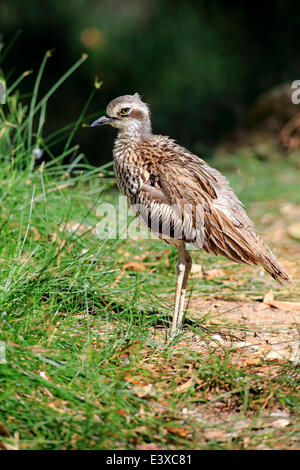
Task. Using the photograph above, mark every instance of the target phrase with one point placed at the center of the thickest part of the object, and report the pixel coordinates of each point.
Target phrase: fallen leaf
(185, 386)
(242, 344)
(59, 405)
(143, 391)
(4, 431)
(268, 297)
(37, 235)
(217, 340)
(15, 443)
(278, 355)
(133, 380)
(8, 446)
(252, 361)
(269, 300)
(118, 278)
(280, 423)
(134, 266)
(182, 432)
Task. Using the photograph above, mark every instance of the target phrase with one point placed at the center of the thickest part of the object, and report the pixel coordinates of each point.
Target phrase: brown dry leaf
(277, 423)
(143, 391)
(278, 356)
(118, 279)
(253, 360)
(134, 266)
(133, 345)
(185, 386)
(37, 235)
(75, 438)
(262, 306)
(128, 349)
(133, 380)
(280, 423)
(269, 300)
(59, 405)
(4, 431)
(15, 443)
(286, 305)
(182, 432)
(217, 340)
(8, 446)
(213, 273)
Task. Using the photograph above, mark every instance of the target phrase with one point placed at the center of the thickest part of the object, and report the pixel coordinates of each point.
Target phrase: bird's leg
(188, 266)
(180, 275)
(181, 269)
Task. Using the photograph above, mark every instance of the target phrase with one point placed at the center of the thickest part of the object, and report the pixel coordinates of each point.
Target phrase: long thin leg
(188, 267)
(183, 269)
(180, 275)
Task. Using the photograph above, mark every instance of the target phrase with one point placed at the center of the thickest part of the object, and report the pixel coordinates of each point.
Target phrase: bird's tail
(270, 263)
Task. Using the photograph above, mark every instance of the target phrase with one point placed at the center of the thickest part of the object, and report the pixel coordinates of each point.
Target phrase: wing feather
(184, 198)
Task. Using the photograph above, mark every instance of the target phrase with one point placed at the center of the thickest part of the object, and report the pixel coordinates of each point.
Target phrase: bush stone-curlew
(180, 198)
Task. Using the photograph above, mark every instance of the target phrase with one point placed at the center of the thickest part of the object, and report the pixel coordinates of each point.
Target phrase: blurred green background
(199, 64)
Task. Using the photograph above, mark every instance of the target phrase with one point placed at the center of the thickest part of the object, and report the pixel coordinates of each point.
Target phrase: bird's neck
(134, 133)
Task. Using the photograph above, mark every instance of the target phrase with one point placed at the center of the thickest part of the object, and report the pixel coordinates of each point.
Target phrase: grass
(83, 319)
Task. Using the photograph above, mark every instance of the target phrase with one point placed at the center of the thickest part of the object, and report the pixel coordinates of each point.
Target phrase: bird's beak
(101, 121)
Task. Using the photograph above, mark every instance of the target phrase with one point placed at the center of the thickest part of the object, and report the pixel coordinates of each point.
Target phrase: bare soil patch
(255, 330)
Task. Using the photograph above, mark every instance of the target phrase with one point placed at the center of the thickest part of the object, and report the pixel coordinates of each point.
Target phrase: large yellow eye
(125, 111)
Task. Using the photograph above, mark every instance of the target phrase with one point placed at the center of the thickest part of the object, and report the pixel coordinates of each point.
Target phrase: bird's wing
(169, 218)
(186, 195)
(222, 227)
(195, 199)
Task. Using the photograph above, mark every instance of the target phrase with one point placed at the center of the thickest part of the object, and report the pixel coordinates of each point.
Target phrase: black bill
(101, 121)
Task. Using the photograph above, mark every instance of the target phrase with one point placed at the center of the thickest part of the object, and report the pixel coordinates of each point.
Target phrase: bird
(180, 198)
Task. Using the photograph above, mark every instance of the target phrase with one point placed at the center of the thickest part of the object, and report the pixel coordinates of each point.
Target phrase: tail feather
(273, 267)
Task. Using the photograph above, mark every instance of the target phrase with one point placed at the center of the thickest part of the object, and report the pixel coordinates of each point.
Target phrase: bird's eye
(125, 111)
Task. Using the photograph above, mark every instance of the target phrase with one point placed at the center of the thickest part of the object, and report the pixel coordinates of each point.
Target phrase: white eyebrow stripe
(135, 106)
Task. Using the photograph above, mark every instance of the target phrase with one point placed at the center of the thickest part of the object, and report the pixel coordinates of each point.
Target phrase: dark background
(200, 64)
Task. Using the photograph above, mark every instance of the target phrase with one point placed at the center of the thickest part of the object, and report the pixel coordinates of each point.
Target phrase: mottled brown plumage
(180, 198)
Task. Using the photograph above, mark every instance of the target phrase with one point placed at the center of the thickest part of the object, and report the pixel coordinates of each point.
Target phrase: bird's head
(129, 114)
